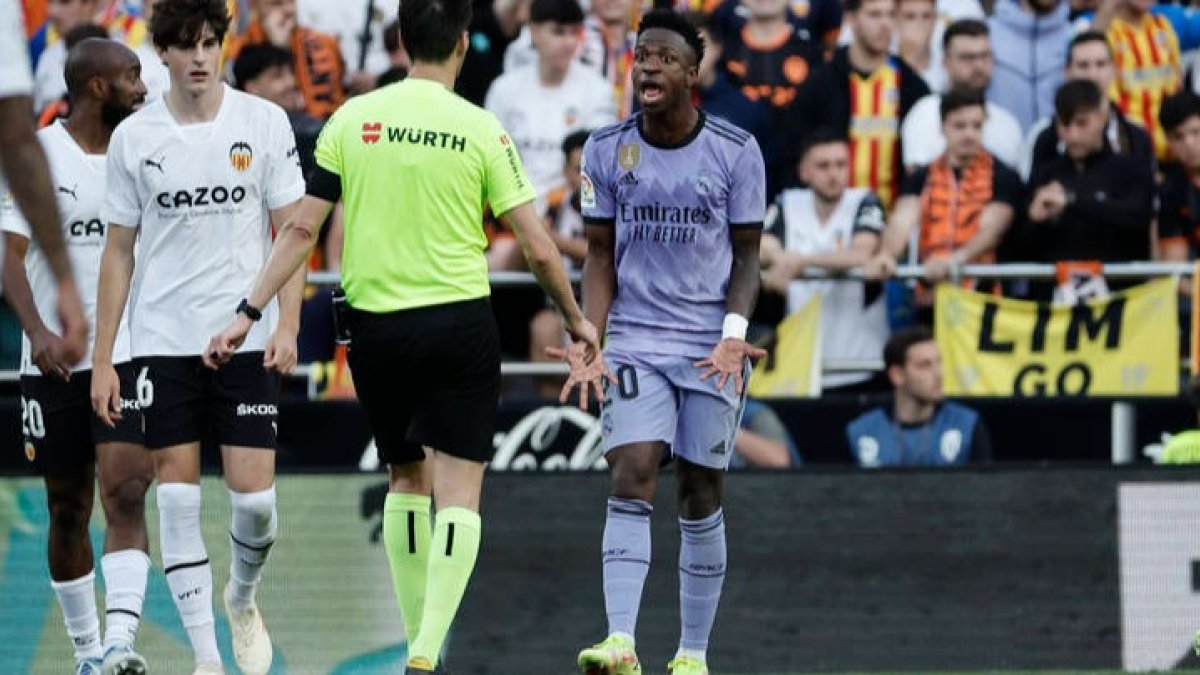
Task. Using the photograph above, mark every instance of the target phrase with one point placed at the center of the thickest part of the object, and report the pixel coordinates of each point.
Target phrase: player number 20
(145, 388)
(33, 424)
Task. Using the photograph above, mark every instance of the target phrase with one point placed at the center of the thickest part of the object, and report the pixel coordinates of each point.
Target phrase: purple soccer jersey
(673, 209)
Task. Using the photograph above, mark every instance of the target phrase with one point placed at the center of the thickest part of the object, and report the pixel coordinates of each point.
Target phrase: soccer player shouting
(673, 201)
(201, 174)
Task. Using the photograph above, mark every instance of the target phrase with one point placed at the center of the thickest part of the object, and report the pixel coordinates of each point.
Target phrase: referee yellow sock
(406, 533)
(451, 560)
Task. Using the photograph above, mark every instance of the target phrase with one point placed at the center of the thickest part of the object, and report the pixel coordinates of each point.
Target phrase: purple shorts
(660, 397)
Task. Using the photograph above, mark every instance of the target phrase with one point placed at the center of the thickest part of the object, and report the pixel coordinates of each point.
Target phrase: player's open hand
(281, 354)
(588, 372)
(728, 360)
(106, 394)
(71, 349)
(43, 345)
(225, 344)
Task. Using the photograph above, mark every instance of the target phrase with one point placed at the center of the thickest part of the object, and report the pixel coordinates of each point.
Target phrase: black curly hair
(675, 22)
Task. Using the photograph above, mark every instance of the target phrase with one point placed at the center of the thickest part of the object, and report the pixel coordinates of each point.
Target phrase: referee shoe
(251, 644)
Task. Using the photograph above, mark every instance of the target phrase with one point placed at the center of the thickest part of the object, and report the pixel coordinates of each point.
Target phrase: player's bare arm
(728, 358)
(281, 354)
(545, 261)
(23, 162)
(116, 270)
(292, 247)
(43, 343)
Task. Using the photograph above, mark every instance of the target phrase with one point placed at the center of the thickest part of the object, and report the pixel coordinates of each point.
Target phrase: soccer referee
(415, 166)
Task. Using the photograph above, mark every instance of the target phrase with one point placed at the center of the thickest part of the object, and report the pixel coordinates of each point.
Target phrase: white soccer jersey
(851, 327)
(538, 118)
(79, 186)
(200, 194)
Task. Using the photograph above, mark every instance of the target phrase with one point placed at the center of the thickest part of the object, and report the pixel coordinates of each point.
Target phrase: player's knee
(699, 495)
(125, 499)
(69, 513)
(634, 480)
(256, 509)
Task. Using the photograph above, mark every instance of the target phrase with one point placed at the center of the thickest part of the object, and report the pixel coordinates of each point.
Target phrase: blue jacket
(1031, 54)
(953, 437)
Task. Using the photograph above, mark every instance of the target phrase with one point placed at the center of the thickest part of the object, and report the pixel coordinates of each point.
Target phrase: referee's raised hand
(587, 368)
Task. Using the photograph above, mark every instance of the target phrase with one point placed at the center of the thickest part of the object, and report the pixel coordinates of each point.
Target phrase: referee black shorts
(60, 428)
(428, 377)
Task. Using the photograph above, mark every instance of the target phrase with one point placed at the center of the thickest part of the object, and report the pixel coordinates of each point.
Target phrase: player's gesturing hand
(43, 346)
(106, 394)
(71, 349)
(223, 345)
(728, 359)
(281, 354)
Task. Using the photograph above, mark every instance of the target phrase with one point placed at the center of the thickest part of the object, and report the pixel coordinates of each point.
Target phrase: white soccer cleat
(251, 644)
(208, 669)
(123, 661)
(88, 667)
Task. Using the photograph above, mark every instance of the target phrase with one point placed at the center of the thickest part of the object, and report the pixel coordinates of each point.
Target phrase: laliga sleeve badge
(30, 451)
(587, 192)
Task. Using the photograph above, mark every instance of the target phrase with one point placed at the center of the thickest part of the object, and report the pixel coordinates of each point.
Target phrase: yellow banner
(793, 365)
(1126, 345)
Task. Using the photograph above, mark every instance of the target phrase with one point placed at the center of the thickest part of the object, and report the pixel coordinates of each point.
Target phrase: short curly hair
(180, 23)
(675, 22)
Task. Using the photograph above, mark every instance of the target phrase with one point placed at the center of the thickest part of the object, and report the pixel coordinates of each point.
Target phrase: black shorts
(237, 404)
(428, 377)
(61, 430)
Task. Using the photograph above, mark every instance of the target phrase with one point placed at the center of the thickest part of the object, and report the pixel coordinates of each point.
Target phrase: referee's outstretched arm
(292, 247)
(545, 261)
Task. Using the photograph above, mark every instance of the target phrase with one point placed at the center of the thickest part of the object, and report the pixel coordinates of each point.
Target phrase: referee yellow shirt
(418, 165)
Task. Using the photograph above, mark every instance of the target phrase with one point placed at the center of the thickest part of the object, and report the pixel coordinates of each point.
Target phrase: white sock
(125, 588)
(251, 534)
(185, 563)
(78, 601)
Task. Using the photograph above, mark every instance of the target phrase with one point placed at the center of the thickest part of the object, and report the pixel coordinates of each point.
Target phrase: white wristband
(735, 327)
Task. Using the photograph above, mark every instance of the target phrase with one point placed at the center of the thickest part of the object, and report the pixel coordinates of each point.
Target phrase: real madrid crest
(240, 156)
(629, 155)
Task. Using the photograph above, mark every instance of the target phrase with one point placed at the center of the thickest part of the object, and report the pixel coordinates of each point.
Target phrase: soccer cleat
(686, 665)
(209, 669)
(123, 661)
(89, 667)
(418, 665)
(613, 656)
(251, 644)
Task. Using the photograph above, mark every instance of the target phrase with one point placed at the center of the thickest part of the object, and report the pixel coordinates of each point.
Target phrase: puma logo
(71, 192)
(156, 164)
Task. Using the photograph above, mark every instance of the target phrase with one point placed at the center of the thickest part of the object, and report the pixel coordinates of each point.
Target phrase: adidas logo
(628, 179)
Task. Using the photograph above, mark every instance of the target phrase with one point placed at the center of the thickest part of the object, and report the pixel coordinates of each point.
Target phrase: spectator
(317, 62)
(1030, 39)
(957, 209)
(816, 20)
(835, 228)
(762, 441)
(364, 55)
(398, 61)
(1147, 38)
(1089, 203)
(769, 58)
(541, 103)
(968, 59)
(494, 27)
(608, 41)
(916, 23)
(920, 428)
(565, 222)
(1089, 57)
(720, 97)
(866, 92)
(1179, 195)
